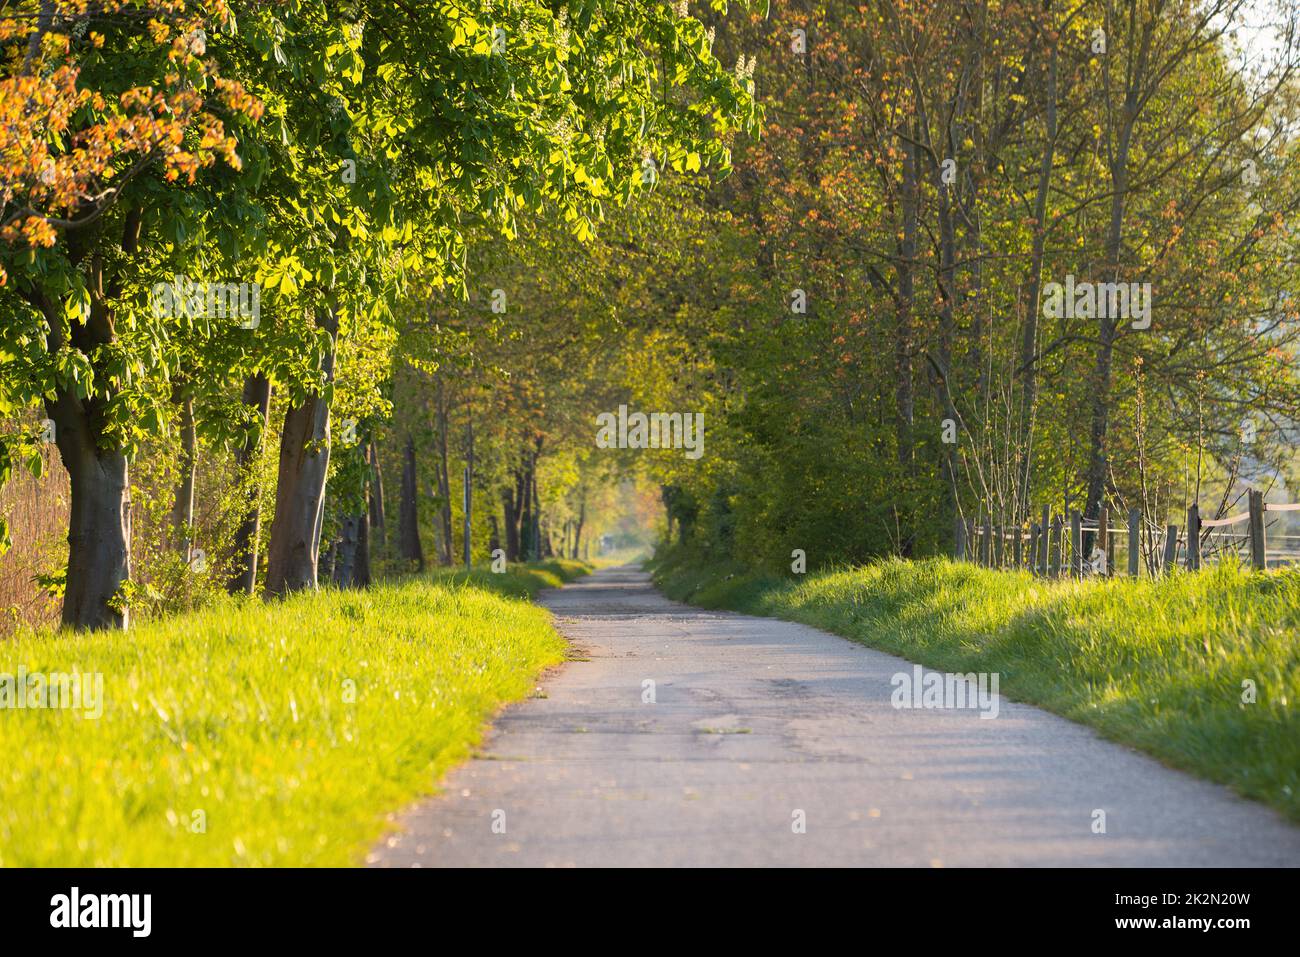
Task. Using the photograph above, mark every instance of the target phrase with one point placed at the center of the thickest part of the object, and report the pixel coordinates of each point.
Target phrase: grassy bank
(518, 581)
(1155, 664)
(266, 734)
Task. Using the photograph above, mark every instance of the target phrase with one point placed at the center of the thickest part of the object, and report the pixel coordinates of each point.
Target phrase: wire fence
(1056, 546)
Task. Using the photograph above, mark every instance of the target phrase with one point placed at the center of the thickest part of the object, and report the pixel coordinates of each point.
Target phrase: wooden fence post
(1103, 537)
(959, 539)
(1044, 540)
(1033, 548)
(1194, 537)
(1258, 554)
(1058, 545)
(1015, 545)
(986, 539)
(1171, 549)
(1134, 543)
(1076, 544)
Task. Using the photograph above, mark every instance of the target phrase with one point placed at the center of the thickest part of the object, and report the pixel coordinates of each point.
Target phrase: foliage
(336, 156)
(893, 195)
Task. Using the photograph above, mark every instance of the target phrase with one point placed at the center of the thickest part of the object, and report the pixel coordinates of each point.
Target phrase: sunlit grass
(245, 713)
(1156, 664)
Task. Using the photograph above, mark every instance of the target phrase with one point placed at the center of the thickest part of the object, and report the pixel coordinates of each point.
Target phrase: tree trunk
(1119, 144)
(944, 383)
(469, 486)
(408, 518)
(1100, 380)
(511, 515)
(444, 480)
(300, 488)
(376, 492)
(361, 564)
(345, 551)
(537, 504)
(1029, 342)
(522, 486)
(257, 394)
(99, 529)
(537, 515)
(904, 398)
(526, 539)
(182, 519)
(949, 208)
(577, 529)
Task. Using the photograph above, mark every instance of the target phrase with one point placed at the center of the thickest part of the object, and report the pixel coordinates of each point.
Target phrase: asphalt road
(771, 743)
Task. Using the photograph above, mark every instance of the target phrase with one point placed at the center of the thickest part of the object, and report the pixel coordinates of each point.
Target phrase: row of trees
(311, 180)
(870, 312)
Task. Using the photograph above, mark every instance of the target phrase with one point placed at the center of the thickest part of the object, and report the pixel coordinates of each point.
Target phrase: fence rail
(1054, 546)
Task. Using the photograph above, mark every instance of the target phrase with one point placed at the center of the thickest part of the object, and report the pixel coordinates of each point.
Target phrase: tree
(358, 148)
(103, 116)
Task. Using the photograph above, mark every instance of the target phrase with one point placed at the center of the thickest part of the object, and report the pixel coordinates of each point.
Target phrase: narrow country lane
(758, 725)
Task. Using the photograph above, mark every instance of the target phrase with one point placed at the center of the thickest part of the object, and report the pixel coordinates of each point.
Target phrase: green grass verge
(518, 581)
(1159, 665)
(245, 713)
